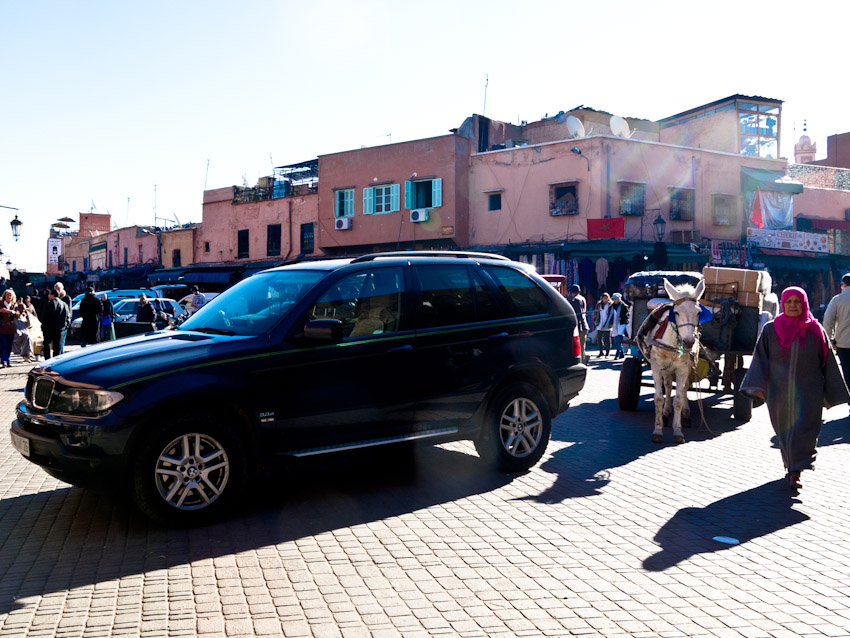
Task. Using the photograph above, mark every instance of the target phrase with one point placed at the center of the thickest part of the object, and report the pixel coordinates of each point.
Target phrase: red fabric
(789, 328)
(606, 228)
(758, 218)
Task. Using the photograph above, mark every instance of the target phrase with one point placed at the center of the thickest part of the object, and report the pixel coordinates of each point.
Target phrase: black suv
(306, 359)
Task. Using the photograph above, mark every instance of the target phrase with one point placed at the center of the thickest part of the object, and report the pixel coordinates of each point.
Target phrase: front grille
(42, 392)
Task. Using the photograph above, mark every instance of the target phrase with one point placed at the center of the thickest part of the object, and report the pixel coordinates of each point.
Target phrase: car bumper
(69, 450)
(572, 382)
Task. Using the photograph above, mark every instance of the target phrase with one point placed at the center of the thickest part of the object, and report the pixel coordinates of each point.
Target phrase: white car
(186, 302)
(126, 309)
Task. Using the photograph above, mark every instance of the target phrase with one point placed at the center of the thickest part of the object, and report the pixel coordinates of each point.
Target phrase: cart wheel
(742, 406)
(628, 392)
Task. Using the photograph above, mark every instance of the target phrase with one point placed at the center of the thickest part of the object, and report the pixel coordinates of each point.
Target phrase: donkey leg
(681, 403)
(668, 400)
(658, 432)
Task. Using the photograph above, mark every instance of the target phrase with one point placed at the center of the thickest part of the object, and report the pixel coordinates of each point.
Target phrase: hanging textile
(586, 272)
(601, 271)
(777, 208)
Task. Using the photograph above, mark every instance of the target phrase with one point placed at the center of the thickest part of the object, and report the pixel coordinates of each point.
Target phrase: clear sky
(135, 107)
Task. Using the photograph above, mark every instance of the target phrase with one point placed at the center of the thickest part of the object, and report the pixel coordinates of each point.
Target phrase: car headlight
(85, 401)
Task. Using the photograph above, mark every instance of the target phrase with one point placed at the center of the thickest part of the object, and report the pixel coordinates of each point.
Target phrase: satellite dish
(620, 127)
(575, 127)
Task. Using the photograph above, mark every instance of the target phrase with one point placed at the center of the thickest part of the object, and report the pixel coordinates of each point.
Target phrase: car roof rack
(456, 254)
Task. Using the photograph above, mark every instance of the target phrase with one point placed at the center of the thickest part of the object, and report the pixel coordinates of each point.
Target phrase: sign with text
(791, 239)
(54, 248)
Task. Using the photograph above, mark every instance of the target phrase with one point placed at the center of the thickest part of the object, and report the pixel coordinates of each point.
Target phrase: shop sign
(790, 239)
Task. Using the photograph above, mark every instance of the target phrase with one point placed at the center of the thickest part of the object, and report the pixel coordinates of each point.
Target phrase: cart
(724, 341)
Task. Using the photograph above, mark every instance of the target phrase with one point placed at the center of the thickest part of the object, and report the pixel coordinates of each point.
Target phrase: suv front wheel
(516, 429)
(189, 469)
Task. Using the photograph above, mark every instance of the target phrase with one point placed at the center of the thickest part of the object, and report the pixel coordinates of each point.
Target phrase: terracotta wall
(444, 157)
(182, 240)
(222, 220)
(718, 132)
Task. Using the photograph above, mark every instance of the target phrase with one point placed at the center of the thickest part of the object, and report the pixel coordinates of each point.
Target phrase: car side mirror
(329, 330)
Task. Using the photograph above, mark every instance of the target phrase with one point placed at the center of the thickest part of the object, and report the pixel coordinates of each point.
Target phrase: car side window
(369, 302)
(453, 294)
(526, 297)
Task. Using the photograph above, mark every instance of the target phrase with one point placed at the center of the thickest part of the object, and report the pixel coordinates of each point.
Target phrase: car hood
(124, 360)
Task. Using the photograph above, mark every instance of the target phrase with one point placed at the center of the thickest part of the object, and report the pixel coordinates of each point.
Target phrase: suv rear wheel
(188, 470)
(516, 430)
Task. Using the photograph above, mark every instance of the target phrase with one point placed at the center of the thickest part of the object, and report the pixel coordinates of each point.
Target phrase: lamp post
(15, 223)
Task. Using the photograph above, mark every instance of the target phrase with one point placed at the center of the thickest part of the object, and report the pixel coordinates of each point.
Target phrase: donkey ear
(672, 293)
(700, 289)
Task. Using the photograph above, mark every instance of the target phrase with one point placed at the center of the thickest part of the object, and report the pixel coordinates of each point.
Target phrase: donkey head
(686, 310)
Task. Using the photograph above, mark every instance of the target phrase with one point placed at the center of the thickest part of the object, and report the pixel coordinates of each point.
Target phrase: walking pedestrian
(57, 318)
(107, 319)
(91, 310)
(836, 323)
(146, 313)
(579, 304)
(8, 329)
(620, 323)
(604, 325)
(796, 373)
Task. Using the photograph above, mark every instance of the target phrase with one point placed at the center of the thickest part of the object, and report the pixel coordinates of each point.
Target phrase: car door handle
(500, 335)
(402, 348)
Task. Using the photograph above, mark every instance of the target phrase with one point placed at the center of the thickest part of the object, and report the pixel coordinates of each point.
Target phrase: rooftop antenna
(154, 204)
(486, 82)
(620, 127)
(127, 218)
(207, 174)
(575, 127)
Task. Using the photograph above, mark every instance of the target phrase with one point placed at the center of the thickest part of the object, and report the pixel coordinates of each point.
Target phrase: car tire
(189, 471)
(516, 429)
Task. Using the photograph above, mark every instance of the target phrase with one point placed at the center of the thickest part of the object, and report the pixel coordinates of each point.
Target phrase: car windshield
(126, 307)
(253, 305)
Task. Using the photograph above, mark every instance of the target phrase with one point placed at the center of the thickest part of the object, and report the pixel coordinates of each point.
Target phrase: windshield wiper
(215, 331)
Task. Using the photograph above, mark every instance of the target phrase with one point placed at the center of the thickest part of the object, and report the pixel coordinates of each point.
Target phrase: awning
(805, 223)
(166, 275)
(767, 180)
(209, 277)
(782, 259)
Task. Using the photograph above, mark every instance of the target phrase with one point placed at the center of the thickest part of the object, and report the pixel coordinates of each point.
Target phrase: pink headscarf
(789, 328)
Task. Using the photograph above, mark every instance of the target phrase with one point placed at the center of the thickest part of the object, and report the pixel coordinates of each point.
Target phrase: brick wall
(820, 176)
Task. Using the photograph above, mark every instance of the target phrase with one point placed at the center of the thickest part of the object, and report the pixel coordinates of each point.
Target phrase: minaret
(804, 150)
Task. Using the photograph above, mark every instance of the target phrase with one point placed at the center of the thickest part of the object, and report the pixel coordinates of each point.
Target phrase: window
(381, 199)
(494, 201)
(563, 199)
(344, 203)
(307, 238)
(141, 255)
(206, 247)
(175, 258)
(367, 303)
(526, 298)
(74, 265)
(632, 198)
(125, 256)
(759, 129)
(426, 193)
(242, 244)
(85, 263)
(273, 240)
(724, 210)
(453, 294)
(682, 203)
(110, 259)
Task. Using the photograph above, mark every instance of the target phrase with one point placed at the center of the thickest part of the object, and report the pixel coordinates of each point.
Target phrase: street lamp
(16, 227)
(660, 227)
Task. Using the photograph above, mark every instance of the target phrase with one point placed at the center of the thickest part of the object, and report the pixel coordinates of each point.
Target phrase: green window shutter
(394, 197)
(349, 203)
(436, 193)
(408, 195)
(336, 204)
(368, 201)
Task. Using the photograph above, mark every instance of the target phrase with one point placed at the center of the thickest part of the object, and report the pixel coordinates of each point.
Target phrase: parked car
(185, 301)
(126, 309)
(308, 359)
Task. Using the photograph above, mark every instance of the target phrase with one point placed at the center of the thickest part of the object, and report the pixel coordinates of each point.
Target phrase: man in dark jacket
(579, 304)
(90, 310)
(146, 312)
(55, 323)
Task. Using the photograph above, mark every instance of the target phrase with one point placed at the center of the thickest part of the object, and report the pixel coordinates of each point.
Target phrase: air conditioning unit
(419, 215)
(343, 223)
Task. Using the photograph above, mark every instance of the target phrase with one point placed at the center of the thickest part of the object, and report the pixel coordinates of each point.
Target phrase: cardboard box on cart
(735, 283)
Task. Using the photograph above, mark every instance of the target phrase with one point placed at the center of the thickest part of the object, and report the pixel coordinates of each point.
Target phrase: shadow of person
(834, 432)
(743, 517)
(601, 437)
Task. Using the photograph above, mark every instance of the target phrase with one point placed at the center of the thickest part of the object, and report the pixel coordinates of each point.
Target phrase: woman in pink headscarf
(796, 373)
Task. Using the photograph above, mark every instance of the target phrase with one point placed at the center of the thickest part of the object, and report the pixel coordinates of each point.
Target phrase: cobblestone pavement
(609, 536)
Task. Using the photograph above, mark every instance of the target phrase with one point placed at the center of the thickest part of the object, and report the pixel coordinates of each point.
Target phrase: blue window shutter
(436, 192)
(408, 195)
(395, 197)
(337, 211)
(368, 201)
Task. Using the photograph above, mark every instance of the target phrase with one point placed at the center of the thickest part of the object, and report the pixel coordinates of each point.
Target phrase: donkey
(671, 347)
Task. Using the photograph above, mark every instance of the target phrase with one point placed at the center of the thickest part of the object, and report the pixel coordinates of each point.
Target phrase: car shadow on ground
(602, 437)
(736, 519)
(66, 538)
